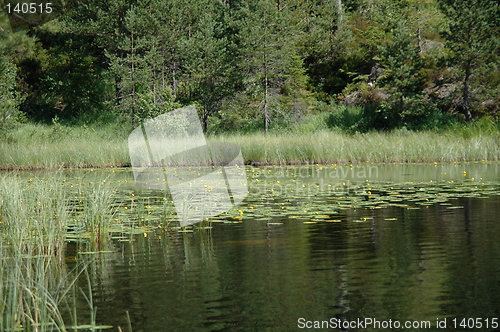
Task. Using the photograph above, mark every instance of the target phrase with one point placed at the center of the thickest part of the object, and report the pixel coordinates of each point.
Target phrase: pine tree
(207, 61)
(267, 52)
(474, 27)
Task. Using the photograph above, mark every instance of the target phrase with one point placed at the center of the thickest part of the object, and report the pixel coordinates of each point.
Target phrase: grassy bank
(337, 147)
(38, 146)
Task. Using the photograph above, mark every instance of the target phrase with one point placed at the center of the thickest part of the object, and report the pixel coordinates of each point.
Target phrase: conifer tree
(268, 51)
(474, 27)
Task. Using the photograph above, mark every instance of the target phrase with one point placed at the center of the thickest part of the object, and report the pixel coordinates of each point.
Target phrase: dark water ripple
(430, 263)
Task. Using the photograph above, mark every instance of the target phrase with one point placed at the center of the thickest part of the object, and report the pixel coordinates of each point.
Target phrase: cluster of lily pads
(310, 200)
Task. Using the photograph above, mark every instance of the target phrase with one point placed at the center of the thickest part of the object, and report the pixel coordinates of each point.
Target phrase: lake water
(311, 245)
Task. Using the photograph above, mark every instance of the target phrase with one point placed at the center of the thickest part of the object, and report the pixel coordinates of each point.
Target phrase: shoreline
(254, 164)
(39, 147)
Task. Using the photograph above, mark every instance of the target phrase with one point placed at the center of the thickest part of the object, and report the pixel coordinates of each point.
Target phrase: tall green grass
(33, 146)
(32, 244)
(40, 146)
(330, 146)
(35, 284)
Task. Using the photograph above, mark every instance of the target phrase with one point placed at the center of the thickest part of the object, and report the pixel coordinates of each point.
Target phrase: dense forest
(255, 64)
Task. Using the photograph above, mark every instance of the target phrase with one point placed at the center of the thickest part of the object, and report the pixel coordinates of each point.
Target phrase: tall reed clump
(34, 281)
(97, 212)
(32, 274)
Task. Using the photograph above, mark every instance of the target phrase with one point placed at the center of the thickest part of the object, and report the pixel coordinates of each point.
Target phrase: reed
(38, 146)
(98, 211)
(400, 146)
(34, 280)
(32, 243)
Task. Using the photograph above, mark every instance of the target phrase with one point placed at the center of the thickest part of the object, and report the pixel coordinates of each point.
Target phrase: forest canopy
(256, 64)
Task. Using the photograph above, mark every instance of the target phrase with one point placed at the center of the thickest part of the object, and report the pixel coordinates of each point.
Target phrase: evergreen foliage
(257, 64)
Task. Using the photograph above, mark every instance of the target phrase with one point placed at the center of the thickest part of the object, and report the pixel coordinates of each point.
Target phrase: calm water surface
(407, 243)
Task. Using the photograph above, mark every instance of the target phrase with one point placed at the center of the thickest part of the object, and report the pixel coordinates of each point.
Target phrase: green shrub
(347, 118)
(9, 98)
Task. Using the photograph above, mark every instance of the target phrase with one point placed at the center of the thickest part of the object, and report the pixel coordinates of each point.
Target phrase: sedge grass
(34, 281)
(98, 212)
(326, 146)
(38, 146)
(32, 275)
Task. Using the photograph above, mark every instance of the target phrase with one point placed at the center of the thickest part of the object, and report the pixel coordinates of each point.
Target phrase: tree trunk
(340, 15)
(266, 108)
(204, 118)
(466, 93)
(419, 31)
(174, 83)
(419, 36)
(132, 74)
(155, 99)
(266, 83)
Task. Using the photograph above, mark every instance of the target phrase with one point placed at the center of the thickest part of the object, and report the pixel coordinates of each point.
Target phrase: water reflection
(392, 256)
(429, 263)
